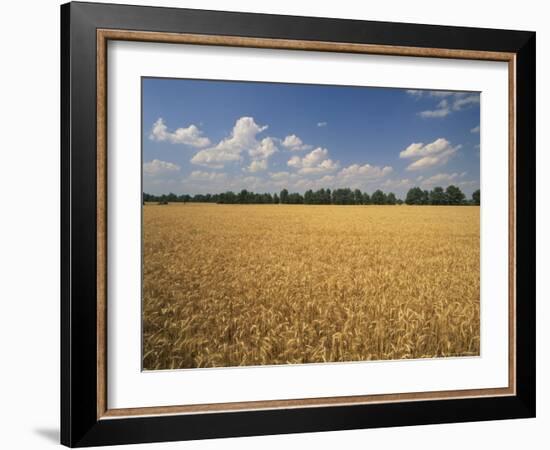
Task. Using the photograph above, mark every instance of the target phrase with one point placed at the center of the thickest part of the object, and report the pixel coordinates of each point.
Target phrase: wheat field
(233, 285)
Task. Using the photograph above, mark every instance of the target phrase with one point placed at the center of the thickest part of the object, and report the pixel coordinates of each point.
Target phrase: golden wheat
(228, 285)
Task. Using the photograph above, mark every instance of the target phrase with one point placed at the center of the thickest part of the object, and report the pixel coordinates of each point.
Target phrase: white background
(29, 224)
(129, 387)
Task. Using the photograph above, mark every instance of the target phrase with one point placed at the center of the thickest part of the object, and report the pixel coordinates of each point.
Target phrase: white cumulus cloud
(446, 179)
(229, 149)
(441, 93)
(366, 171)
(294, 143)
(419, 93)
(397, 183)
(257, 165)
(461, 101)
(316, 161)
(442, 179)
(450, 101)
(434, 113)
(419, 149)
(416, 93)
(201, 175)
(278, 176)
(264, 149)
(442, 110)
(435, 153)
(189, 136)
(157, 167)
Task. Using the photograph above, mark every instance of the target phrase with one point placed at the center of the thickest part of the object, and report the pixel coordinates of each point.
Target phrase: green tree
(319, 197)
(454, 195)
(366, 199)
(378, 198)
(184, 198)
(438, 196)
(476, 197)
(275, 198)
(391, 199)
(231, 197)
(415, 196)
(343, 196)
(243, 196)
(284, 196)
(425, 198)
(358, 197)
(295, 198)
(308, 197)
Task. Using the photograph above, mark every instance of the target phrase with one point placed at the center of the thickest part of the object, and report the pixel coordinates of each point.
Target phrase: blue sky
(204, 136)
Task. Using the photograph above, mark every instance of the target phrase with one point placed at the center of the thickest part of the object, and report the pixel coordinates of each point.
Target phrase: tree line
(452, 195)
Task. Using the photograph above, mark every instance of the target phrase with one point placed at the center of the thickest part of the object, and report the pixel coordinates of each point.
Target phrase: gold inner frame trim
(103, 36)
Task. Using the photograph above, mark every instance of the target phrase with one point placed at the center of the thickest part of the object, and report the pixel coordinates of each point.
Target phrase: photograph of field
(261, 248)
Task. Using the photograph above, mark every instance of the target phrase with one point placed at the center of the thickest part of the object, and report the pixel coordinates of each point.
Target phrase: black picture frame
(80, 425)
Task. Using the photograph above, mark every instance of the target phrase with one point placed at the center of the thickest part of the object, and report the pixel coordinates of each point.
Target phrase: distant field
(229, 285)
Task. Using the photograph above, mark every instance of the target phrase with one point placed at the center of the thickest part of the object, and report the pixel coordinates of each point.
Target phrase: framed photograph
(276, 224)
